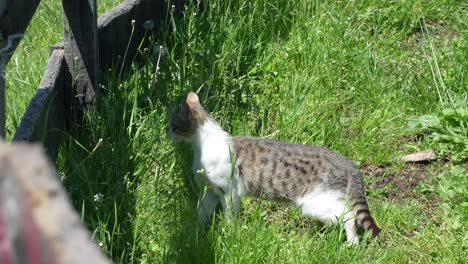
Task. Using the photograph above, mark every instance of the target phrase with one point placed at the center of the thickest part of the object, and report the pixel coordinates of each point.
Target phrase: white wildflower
(98, 197)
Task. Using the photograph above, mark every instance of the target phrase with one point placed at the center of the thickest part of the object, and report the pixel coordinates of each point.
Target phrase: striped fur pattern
(324, 184)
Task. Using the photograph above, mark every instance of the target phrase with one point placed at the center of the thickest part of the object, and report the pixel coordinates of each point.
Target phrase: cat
(325, 185)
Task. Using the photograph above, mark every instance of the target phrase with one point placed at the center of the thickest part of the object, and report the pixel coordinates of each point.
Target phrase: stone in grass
(423, 156)
(37, 222)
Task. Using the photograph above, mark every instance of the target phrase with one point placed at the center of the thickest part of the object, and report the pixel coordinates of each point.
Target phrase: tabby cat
(324, 184)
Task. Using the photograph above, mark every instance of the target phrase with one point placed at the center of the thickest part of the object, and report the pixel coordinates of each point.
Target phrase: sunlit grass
(344, 75)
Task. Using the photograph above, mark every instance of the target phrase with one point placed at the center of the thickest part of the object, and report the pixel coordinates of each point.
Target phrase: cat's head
(184, 123)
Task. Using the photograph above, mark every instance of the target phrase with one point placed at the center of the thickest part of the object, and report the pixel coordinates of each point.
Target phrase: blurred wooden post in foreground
(37, 222)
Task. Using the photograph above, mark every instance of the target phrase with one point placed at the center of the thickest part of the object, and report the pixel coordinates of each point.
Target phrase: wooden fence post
(81, 50)
(14, 19)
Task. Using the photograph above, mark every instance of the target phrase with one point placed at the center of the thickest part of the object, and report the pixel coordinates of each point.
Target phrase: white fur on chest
(211, 148)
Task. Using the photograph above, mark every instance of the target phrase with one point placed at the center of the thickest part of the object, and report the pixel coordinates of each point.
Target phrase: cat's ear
(192, 98)
(185, 109)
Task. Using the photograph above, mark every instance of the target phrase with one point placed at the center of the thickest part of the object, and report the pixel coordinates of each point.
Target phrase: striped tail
(357, 197)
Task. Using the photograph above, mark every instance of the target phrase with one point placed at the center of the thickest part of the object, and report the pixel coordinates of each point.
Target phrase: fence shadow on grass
(98, 164)
(100, 184)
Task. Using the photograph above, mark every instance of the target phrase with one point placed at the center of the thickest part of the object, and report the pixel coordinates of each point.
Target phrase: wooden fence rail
(44, 119)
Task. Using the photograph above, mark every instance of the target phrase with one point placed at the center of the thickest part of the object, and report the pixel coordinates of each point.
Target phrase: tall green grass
(343, 74)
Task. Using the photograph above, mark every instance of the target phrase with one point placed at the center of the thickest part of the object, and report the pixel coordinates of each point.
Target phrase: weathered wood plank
(15, 16)
(45, 117)
(81, 48)
(115, 30)
(37, 222)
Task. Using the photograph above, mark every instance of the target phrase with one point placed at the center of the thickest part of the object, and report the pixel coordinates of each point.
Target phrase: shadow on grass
(96, 171)
(98, 162)
(190, 243)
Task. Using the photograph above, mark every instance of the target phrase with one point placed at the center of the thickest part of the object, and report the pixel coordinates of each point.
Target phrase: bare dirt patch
(441, 33)
(399, 184)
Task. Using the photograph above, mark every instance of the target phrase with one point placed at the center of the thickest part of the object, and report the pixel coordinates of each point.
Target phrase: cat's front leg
(233, 202)
(207, 206)
(232, 208)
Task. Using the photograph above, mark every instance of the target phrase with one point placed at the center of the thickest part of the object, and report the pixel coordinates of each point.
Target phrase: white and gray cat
(324, 184)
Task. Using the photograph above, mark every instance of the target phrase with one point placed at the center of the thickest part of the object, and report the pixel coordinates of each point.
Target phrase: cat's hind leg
(328, 207)
(350, 227)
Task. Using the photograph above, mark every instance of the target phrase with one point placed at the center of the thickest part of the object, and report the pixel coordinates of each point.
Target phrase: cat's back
(286, 170)
(274, 149)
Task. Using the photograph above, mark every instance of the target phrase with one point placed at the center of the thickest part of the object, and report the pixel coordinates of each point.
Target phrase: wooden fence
(91, 45)
(37, 223)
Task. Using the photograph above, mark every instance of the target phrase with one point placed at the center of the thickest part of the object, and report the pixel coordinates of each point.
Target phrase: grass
(343, 74)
